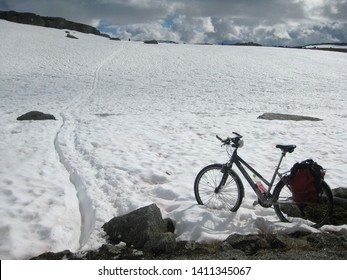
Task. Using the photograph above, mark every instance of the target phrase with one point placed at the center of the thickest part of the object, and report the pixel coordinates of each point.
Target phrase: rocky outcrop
(53, 22)
(143, 228)
(286, 117)
(339, 216)
(35, 116)
(154, 42)
(68, 35)
(143, 234)
(295, 246)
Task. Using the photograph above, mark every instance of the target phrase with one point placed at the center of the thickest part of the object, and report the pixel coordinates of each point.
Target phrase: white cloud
(281, 32)
(147, 31)
(207, 24)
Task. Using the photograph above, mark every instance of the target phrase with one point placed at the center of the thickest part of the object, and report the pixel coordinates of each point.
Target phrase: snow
(136, 123)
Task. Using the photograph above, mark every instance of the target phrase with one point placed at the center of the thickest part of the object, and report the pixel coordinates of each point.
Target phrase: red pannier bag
(305, 181)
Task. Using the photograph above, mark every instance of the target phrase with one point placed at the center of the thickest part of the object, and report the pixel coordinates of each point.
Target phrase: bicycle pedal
(255, 203)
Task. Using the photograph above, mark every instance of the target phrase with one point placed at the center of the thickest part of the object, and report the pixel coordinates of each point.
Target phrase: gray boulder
(286, 117)
(71, 36)
(340, 192)
(143, 228)
(339, 216)
(35, 115)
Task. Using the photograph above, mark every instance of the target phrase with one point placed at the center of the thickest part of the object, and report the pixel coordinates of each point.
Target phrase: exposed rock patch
(53, 22)
(295, 246)
(155, 42)
(68, 35)
(339, 216)
(143, 234)
(286, 117)
(35, 116)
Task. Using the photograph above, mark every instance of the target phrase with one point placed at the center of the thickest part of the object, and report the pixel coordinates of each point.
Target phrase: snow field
(136, 123)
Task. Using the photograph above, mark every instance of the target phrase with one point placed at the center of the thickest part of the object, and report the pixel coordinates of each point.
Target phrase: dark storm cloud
(265, 10)
(266, 21)
(335, 10)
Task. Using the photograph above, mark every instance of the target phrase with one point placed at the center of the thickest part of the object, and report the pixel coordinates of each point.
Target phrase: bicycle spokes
(314, 214)
(218, 190)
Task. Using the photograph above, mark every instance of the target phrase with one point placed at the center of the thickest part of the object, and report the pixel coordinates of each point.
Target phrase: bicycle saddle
(286, 148)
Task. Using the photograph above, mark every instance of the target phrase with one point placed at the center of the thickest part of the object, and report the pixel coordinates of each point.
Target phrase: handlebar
(220, 139)
(237, 142)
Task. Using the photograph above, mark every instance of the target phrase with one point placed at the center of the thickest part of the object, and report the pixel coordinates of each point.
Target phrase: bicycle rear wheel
(227, 197)
(313, 214)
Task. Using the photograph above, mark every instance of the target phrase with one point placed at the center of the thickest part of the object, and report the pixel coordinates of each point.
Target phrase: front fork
(224, 170)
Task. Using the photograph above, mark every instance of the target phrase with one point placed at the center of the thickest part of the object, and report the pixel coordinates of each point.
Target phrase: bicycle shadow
(201, 224)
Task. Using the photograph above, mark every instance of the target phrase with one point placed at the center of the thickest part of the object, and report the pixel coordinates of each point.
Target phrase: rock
(114, 252)
(142, 228)
(71, 36)
(335, 241)
(52, 22)
(286, 117)
(247, 243)
(340, 192)
(64, 255)
(339, 216)
(167, 42)
(35, 115)
(145, 228)
(161, 243)
(151, 42)
(105, 35)
(299, 245)
(295, 246)
(24, 18)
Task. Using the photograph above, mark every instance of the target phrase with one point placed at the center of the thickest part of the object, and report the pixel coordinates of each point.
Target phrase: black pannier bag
(305, 181)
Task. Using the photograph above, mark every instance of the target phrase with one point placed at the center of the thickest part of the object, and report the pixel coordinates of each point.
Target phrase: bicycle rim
(313, 214)
(229, 196)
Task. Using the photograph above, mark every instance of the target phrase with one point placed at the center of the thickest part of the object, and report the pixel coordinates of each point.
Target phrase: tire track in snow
(69, 156)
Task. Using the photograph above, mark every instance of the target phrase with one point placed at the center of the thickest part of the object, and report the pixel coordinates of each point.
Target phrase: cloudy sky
(268, 22)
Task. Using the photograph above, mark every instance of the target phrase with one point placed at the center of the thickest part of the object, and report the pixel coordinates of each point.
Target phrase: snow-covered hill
(135, 124)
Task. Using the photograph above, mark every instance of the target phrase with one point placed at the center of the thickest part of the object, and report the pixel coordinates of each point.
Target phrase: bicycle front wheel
(209, 191)
(314, 214)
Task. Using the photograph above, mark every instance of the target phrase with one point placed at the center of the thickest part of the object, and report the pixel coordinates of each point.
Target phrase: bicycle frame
(213, 188)
(242, 165)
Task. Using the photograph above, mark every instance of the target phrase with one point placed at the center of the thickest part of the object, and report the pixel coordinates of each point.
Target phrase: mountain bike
(218, 186)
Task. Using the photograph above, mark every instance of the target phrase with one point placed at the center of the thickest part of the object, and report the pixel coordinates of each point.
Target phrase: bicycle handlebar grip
(220, 139)
(238, 135)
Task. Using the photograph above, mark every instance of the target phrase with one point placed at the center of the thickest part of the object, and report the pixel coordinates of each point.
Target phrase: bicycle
(218, 186)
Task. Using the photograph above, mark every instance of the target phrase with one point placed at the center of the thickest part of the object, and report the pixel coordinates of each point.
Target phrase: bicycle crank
(265, 203)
